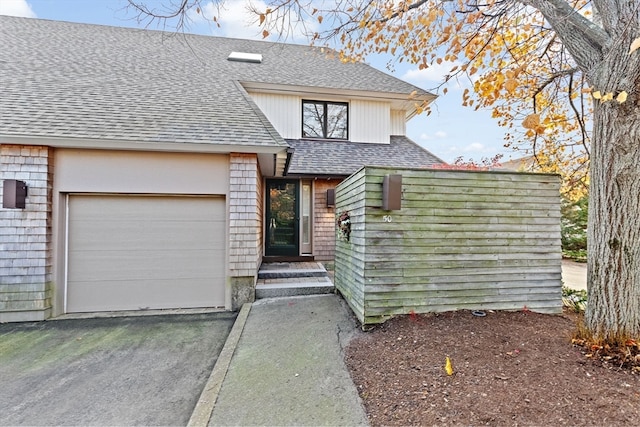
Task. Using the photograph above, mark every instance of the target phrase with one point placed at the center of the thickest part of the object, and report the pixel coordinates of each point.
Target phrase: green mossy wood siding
(462, 240)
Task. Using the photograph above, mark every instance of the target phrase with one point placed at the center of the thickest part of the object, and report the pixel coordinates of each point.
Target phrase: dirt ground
(510, 368)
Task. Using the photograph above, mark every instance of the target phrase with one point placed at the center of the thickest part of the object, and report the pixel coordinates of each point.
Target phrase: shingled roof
(342, 158)
(69, 80)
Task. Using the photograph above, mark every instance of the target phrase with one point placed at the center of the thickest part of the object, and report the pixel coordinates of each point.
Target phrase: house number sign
(387, 218)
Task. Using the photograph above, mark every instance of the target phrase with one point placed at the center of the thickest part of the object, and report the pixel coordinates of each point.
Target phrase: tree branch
(583, 39)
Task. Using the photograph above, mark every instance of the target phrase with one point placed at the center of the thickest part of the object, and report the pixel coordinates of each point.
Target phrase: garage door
(145, 252)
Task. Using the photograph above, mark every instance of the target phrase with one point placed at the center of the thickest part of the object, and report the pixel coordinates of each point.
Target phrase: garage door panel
(136, 252)
(110, 235)
(152, 207)
(141, 295)
(99, 265)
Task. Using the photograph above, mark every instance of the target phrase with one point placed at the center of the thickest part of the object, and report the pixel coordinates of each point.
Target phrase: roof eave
(401, 101)
(129, 145)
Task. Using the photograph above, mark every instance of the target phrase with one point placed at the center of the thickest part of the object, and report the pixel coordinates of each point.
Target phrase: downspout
(287, 162)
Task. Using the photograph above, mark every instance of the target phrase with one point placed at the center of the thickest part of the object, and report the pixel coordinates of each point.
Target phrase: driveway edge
(203, 409)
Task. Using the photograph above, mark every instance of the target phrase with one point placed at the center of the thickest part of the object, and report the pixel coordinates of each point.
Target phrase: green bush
(574, 228)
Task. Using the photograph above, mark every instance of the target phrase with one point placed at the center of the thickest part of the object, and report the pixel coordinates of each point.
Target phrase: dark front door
(282, 221)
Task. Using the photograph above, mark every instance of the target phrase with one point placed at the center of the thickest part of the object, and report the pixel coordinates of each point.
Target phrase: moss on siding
(462, 240)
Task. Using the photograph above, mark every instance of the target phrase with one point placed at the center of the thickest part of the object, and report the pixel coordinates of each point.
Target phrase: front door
(282, 221)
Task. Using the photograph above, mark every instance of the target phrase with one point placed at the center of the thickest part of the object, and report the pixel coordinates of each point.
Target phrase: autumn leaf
(532, 121)
(622, 97)
(265, 34)
(607, 97)
(320, 18)
(635, 45)
(511, 85)
(596, 94)
(262, 18)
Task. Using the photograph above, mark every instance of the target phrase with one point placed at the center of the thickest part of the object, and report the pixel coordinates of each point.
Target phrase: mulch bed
(510, 368)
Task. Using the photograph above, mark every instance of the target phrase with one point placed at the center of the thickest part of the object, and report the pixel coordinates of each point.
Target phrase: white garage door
(145, 252)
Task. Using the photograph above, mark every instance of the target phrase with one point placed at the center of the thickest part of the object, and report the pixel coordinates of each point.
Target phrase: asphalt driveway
(146, 370)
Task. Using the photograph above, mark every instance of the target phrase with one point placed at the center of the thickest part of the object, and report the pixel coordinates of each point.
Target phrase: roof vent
(254, 58)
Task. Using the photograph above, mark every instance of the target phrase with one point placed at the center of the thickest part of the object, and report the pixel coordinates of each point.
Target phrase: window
(322, 119)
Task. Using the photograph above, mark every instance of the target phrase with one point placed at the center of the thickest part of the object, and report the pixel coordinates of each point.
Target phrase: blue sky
(450, 131)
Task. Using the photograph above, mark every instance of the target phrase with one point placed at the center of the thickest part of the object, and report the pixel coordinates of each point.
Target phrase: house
(159, 169)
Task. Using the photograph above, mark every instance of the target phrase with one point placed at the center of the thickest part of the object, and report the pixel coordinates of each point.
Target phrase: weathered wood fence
(461, 240)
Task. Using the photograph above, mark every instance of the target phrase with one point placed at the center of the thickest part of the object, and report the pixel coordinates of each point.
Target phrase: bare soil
(510, 368)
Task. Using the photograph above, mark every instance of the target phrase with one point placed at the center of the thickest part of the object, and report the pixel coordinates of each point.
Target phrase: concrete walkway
(288, 367)
(574, 274)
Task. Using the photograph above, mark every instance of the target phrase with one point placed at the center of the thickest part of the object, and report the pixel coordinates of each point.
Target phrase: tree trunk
(613, 272)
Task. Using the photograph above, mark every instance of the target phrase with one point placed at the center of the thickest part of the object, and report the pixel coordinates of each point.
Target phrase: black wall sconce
(331, 198)
(392, 192)
(14, 194)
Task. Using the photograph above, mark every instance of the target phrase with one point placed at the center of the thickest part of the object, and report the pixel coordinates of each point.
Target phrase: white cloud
(474, 146)
(437, 135)
(237, 20)
(434, 73)
(16, 8)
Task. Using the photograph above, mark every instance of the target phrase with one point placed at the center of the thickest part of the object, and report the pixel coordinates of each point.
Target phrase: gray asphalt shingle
(342, 158)
(74, 80)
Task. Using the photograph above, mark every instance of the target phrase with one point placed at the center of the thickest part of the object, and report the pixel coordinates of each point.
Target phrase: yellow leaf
(635, 45)
(532, 121)
(448, 368)
(622, 97)
(511, 85)
(596, 94)
(607, 97)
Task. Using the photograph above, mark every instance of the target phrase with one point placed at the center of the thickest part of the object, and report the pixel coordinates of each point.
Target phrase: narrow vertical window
(321, 119)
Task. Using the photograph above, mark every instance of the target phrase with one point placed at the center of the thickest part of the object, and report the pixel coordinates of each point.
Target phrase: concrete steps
(284, 279)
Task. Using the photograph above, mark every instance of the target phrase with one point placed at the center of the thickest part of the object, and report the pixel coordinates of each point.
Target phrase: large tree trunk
(613, 272)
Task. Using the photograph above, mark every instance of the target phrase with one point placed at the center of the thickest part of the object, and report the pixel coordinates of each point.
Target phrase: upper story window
(321, 119)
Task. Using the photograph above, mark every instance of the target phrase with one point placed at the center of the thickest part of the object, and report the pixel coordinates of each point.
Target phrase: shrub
(574, 228)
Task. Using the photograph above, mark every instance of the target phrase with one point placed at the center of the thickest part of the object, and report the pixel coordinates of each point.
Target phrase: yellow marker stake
(448, 368)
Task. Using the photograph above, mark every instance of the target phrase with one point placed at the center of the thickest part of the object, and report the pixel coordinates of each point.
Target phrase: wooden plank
(394, 278)
(373, 171)
(410, 258)
(430, 299)
(525, 286)
(381, 314)
(393, 246)
(448, 292)
(393, 229)
(442, 242)
(468, 271)
(415, 223)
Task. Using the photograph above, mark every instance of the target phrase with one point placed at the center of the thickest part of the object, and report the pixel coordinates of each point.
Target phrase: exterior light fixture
(392, 192)
(331, 198)
(14, 194)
